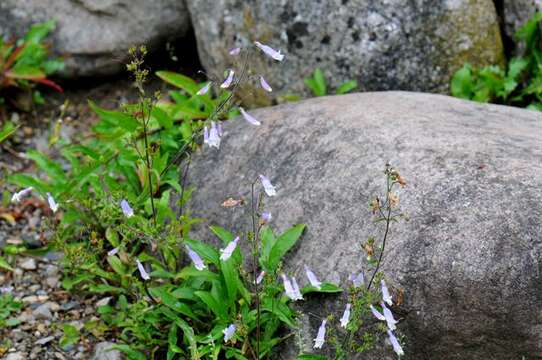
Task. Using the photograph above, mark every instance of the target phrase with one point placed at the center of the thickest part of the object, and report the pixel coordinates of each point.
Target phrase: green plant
(26, 63)
(8, 306)
(520, 84)
(318, 85)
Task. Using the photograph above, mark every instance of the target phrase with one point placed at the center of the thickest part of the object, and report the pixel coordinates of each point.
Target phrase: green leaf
(132, 354)
(311, 357)
(116, 265)
(4, 264)
(268, 240)
(189, 335)
(284, 243)
(231, 279)
(179, 80)
(7, 131)
(39, 31)
(207, 252)
(162, 117)
(324, 288)
(217, 308)
(51, 168)
(462, 85)
(280, 310)
(70, 337)
(172, 302)
(115, 118)
(346, 87)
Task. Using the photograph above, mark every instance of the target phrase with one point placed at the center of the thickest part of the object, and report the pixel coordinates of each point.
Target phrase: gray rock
(468, 259)
(29, 264)
(516, 13)
(16, 356)
(94, 35)
(385, 45)
(43, 312)
(102, 352)
(44, 340)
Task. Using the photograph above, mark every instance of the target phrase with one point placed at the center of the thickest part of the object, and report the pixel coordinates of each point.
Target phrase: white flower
(320, 337)
(204, 89)
(235, 51)
(265, 85)
(346, 316)
(312, 278)
(388, 316)
(126, 209)
(249, 118)
(269, 51)
(297, 292)
(267, 217)
(226, 84)
(18, 196)
(225, 253)
(377, 314)
(267, 186)
(395, 343)
(229, 332)
(113, 251)
(289, 288)
(212, 138)
(52, 203)
(259, 279)
(385, 293)
(358, 279)
(196, 259)
(142, 271)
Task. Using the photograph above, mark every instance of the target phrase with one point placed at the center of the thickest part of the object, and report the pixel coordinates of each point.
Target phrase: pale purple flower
(18, 196)
(346, 316)
(126, 208)
(113, 251)
(297, 292)
(142, 271)
(265, 85)
(312, 278)
(288, 288)
(395, 343)
(267, 186)
(266, 216)
(52, 203)
(219, 129)
(205, 89)
(226, 84)
(385, 293)
(249, 118)
(205, 135)
(225, 253)
(6, 289)
(269, 51)
(235, 51)
(320, 337)
(388, 316)
(196, 259)
(357, 279)
(377, 314)
(229, 332)
(259, 279)
(212, 137)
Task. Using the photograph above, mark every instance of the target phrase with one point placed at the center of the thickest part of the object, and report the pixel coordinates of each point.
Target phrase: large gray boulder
(385, 45)
(469, 259)
(94, 35)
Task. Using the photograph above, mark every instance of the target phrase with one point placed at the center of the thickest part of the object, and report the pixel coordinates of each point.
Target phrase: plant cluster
(26, 63)
(520, 84)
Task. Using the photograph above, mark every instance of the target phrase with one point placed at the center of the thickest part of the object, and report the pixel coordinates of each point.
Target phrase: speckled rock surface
(469, 258)
(385, 45)
(518, 12)
(94, 35)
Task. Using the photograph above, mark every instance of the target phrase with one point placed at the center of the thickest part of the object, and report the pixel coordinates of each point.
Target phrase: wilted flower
(126, 209)
(249, 118)
(388, 316)
(231, 202)
(204, 89)
(377, 314)
(395, 343)
(229, 79)
(259, 279)
(142, 271)
(18, 196)
(357, 279)
(196, 259)
(113, 251)
(269, 51)
(265, 85)
(266, 216)
(375, 205)
(346, 316)
(52, 203)
(385, 293)
(297, 292)
(229, 332)
(235, 51)
(320, 337)
(393, 198)
(267, 186)
(225, 253)
(212, 137)
(312, 278)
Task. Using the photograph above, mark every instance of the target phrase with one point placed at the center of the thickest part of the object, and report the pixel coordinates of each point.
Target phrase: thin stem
(148, 161)
(255, 265)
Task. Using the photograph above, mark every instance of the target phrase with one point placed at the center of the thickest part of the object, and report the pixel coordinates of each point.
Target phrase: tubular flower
(259, 279)
(196, 259)
(388, 316)
(297, 292)
(52, 203)
(269, 51)
(395, 343)
(142, 271)
(205, 89)
(126, 209)
(225, 253)
(358, 280)
(385, 293)
(113, 251)
(288, 288)
(249, 118)
(266, 217)
(346, 316)
(212, 137)
(229, 332)
(377, 314)
(18, 196)
(267, 186)
(229, 79)
(312, 278)
(235, 51)
(265, 85)
(320, 337)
